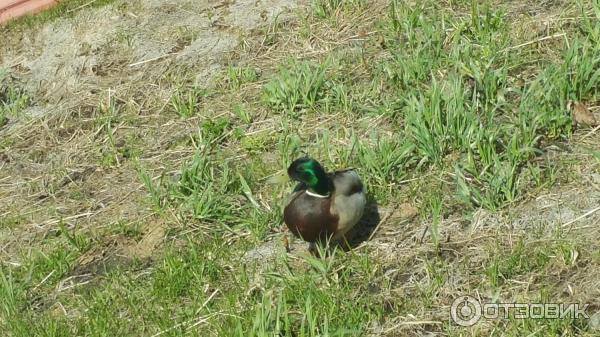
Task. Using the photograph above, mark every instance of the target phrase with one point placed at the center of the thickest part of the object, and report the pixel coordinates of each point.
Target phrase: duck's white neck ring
(312, 194)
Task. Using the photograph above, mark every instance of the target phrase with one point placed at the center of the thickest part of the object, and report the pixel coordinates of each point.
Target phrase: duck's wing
(349, 199)
(347, 182)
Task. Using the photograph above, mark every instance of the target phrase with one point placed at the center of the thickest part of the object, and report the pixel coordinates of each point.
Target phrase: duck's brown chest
(310, 218)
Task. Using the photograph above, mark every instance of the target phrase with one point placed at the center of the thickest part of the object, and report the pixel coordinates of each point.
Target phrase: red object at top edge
(11, 9)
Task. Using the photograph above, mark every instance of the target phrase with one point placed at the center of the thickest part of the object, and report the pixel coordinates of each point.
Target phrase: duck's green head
(311, 173)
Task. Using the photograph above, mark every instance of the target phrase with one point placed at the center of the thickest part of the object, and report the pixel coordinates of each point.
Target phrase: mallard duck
(323, 206)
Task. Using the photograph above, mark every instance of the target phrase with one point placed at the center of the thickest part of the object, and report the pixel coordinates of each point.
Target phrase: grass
(454, 113)
(298, 86)
(329, 8)
(187, 101)
(12, 99)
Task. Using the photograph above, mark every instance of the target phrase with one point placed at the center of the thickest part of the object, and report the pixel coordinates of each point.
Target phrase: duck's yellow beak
(278, 178)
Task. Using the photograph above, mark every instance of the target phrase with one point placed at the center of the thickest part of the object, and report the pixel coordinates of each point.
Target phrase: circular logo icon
(465, 311)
